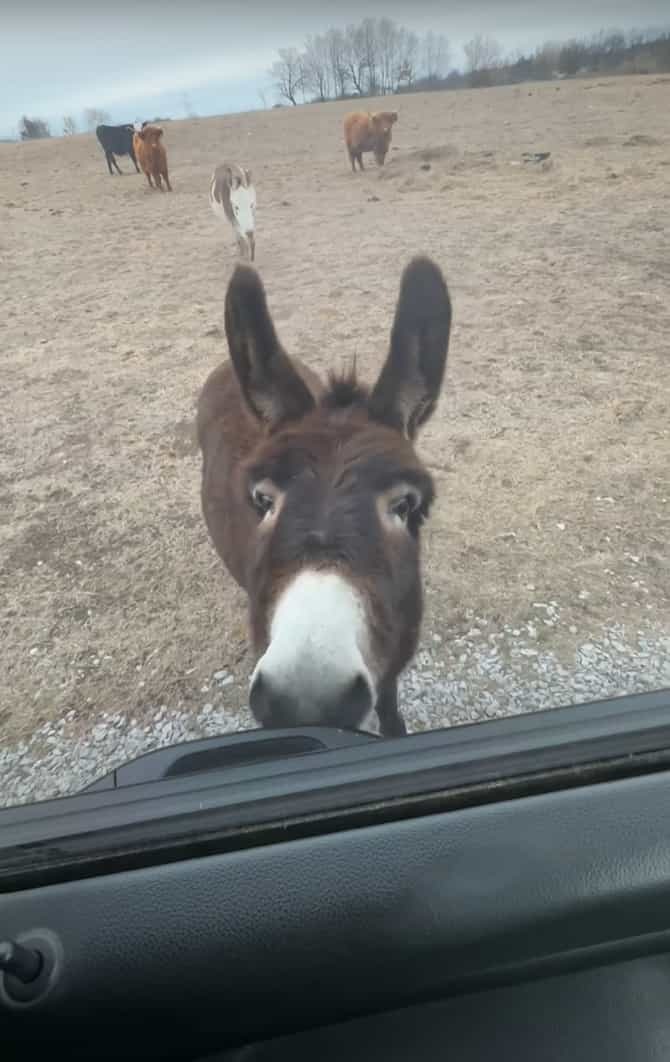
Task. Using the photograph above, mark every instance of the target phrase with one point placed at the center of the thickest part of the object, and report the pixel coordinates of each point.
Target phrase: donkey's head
(339, 495)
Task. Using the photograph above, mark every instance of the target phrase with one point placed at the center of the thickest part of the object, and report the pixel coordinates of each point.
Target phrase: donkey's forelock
(344, 390)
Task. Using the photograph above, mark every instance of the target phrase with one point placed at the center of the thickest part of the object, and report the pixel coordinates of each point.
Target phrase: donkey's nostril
(357, 701)
(271, 704)
(260, 699)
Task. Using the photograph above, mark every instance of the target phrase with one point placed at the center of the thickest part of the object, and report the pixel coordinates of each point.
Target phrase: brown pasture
(550, 448)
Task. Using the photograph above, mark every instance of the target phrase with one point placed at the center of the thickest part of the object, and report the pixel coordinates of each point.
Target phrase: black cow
(116, 140)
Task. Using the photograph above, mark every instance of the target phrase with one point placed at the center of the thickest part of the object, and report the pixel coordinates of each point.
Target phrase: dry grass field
(551, 447)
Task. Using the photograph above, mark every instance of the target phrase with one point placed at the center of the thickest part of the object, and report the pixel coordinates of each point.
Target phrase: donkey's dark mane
(344, 390)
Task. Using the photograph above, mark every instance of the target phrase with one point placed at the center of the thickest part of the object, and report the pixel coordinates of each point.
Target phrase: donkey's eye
(262, 502)
(404, 505)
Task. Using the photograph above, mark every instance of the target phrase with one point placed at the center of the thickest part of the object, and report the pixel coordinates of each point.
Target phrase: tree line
(611, 52)
(38, 129)
(374, 57)
(378, 56)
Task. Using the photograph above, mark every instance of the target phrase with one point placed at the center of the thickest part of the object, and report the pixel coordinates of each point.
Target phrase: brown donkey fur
(314, 497)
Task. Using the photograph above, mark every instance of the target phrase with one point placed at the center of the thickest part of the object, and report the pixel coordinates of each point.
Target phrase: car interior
(490, 891)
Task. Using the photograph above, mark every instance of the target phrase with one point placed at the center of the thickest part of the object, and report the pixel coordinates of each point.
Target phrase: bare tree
(388, 44)
(636, 37)
(95, 116)
(33, 128)
(434, 56)
(570, 58)
(356, 59)
(547, 60)
(317, 68)
(288, 74)
(613, 45)
(69, 125)
(482, 54)
(408, 47)
(370, 40)
(337, 59)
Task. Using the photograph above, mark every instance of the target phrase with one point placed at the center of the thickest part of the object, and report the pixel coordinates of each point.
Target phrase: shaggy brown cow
(150, 153)
(368, 132)
(314, 497)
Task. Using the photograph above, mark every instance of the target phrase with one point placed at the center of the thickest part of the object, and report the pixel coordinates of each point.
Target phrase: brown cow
(314, 498)
(368, 132)
(150, 153)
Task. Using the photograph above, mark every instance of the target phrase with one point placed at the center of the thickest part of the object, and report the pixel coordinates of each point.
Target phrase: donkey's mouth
(351, 708)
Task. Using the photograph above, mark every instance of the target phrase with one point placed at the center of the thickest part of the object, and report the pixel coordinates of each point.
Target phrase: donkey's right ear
(272, 388)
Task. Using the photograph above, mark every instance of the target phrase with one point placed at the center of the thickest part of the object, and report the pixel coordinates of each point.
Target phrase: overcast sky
(139, 58)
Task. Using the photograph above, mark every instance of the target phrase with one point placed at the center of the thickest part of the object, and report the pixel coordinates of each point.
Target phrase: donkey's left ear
(409, 384)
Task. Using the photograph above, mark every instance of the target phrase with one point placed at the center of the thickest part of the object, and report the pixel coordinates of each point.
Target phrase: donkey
(314, 497)
(232, 197)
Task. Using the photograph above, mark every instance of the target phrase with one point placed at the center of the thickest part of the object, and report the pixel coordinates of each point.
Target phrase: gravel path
(480, 675)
